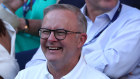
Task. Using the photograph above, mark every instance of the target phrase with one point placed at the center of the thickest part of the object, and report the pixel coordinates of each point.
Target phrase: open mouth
(54, 48)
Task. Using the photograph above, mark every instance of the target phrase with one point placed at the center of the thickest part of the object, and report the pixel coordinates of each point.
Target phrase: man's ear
(82, 39)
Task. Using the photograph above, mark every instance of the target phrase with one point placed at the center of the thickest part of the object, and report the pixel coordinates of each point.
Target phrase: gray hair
(81, 18)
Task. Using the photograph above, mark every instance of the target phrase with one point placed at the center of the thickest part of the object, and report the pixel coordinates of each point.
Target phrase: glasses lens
(60, 34)
(44, 33)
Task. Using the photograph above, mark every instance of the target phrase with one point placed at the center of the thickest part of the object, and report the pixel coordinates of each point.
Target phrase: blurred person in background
(7, 11)
(30, 17)
(8, 64)
(0, 1)
(113, 38)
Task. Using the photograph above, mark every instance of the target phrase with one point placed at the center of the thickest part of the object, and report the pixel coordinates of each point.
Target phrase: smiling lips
(54, 48)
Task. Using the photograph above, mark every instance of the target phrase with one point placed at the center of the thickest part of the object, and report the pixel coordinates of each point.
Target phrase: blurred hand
(22, 24)
(25, 1)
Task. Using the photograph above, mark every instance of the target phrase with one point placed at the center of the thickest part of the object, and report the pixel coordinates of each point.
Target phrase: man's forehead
(60, 15)
(64, 18)
(60, 12)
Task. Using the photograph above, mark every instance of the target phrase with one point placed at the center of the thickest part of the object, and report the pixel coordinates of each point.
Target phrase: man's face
(103, 4)
(60, 50)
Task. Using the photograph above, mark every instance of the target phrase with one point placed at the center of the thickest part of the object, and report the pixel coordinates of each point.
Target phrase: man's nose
(52, 37)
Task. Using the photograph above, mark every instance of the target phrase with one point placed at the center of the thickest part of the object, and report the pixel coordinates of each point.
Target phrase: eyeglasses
(60, 34)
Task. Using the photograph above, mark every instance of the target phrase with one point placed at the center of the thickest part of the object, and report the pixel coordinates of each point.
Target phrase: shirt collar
(80, 64)
(8, 10)
(8, 26)
(12, 34)
(110, 14)
(46, 72)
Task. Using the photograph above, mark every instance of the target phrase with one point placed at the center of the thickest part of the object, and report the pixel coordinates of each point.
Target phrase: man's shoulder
(128, 10)
(33, 69)
(34, 72)
(93, 73)
(39, 66)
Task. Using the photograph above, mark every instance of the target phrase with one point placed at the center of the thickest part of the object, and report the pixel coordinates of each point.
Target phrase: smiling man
(62, 34)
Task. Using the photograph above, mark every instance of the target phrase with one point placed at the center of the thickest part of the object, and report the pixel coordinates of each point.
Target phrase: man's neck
(59, 70)
(92, 12)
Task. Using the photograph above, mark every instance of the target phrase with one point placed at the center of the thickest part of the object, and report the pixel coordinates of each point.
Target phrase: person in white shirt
(8, 64)
(116, 48)
(62, 34)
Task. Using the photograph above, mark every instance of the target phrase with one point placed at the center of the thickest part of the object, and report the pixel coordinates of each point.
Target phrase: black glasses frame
(60, 34)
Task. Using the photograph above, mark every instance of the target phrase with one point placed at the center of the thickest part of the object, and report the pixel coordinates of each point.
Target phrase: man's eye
(46, 32)
(60, 33)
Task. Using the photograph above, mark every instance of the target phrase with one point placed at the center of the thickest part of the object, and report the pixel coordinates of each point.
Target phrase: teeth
(53, 48)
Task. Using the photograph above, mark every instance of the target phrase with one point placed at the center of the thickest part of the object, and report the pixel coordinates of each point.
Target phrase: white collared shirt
(80, 71)
(8, 64)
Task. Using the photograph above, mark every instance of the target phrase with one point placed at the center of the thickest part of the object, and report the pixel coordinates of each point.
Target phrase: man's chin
(52, 59)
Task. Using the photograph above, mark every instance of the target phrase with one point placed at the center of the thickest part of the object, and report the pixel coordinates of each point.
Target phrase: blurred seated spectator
(32, 11)
(0, 1)
(8, 64)
(7, 10)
